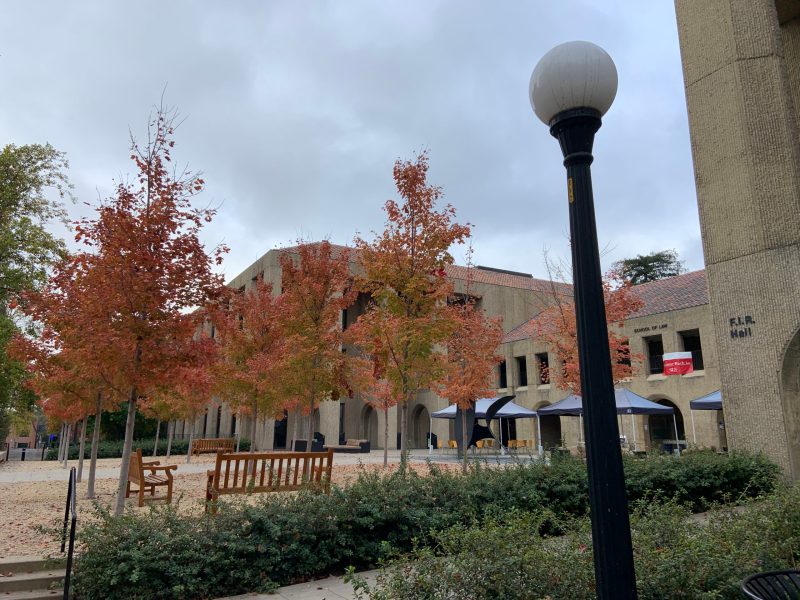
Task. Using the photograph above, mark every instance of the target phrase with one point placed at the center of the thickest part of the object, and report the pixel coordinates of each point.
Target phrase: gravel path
(33, 494)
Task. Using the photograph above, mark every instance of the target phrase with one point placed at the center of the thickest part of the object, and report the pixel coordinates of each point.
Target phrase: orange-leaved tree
(147, 267)
(557, 326)
(317, 287)
(403, 269)
(251, 347)
(471, 358)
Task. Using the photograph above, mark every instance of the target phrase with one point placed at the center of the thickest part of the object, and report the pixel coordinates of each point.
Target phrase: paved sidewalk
(332, 588)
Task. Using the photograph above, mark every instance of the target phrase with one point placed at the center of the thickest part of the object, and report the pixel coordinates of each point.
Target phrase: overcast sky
(295, 112)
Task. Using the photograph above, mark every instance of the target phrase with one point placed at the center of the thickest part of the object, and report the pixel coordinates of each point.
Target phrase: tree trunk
(255, 427)
(310, 430)
(295, 421)
(158, 431)
(95, 442)
(464, 440)
(403, 436)
(60, 456)
(66, 444)
(170, 434)
(191, 440)
(386, 438)
(126, 453)
(82, 448)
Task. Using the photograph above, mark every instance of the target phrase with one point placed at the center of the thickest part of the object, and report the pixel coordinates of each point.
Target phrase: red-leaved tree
(148, 268)
(316, 289)
(403, 269)
(556, 325)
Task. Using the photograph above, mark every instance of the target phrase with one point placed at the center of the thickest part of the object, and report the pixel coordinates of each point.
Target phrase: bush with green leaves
(284, 538)
(113, 449)
(675, 556)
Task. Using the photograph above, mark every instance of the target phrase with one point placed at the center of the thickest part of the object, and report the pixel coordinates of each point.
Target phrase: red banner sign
(678, 363)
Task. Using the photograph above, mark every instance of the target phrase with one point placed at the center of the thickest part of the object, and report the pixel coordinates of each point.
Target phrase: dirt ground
(24, 505)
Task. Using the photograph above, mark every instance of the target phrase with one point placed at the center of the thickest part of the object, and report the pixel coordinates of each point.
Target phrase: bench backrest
(246, 472)
(215, 443)
(135, 466)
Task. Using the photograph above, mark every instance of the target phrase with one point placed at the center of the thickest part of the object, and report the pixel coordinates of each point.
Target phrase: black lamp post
(572, 86)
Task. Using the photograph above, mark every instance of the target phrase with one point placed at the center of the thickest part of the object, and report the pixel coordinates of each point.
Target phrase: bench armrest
(147, 463)
(154, 468)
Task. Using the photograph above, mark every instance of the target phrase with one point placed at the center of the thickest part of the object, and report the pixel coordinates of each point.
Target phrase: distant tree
(650, 267)
(316, 289)
(27, 249)
(471, 360)
(557, 326)
(251, 346)
(403, 270)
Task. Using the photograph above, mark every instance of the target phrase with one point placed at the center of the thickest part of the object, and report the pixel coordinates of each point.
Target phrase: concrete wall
(740, 71)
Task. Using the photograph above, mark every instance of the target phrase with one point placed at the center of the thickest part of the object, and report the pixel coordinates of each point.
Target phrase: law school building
(675, 317)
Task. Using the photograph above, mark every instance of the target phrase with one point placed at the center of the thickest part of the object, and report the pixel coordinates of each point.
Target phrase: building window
(655, 354)
(344, 319)
(522, 371)
(691, 343)
(502, 379)
(213, 332)
(543, 368)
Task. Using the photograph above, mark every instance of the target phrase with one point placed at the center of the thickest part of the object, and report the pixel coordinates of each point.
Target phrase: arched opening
(279, 437)
(218, 422)
(368, 428)
(790, 400)
(233, 424)
(420, 427)
(550, 428)
(661, 428)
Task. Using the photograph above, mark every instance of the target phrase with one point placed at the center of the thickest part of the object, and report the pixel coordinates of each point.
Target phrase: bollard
(23, 454)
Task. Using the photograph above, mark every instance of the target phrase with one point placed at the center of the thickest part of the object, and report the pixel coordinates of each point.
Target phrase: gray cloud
(297, 110)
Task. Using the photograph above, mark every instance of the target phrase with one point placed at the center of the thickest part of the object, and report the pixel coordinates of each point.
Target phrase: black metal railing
(70, 514)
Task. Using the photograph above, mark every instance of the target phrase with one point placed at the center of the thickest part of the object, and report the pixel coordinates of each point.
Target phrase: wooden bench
(255, 472)
(138, 475)
(353, 446)
(213, 445)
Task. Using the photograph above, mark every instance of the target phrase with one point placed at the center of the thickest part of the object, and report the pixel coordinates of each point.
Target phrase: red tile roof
(508, 280)
(674, 293)
(664, 295)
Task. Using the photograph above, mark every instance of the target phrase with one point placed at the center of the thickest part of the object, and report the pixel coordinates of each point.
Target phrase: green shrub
(283, 538)
(675, 556)
(113, 449)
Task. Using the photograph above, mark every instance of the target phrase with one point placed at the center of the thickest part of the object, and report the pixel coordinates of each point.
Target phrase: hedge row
(113, 449)
(674, 557)
(280, 539)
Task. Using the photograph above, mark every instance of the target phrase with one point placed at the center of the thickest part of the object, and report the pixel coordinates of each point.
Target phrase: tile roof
(674, 293)
(520, 332)
(508, 280)
(664, 295)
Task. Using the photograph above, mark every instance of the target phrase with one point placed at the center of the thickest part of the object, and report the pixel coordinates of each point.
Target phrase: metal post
(539, 445)
(633, 426)
(677, 440)
(694, 433)
(611, 532)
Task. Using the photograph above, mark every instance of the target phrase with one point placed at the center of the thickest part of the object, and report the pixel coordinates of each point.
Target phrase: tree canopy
(33, 182)
(650, 267)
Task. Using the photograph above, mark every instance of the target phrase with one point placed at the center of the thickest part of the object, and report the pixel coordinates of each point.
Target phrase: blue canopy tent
(508, 411)
(626, 401)
(712, 401)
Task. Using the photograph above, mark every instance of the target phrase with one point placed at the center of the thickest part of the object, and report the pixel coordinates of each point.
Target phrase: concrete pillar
(329, 421)
(746, 148)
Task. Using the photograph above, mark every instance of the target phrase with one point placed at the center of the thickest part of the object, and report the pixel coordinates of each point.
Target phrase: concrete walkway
(332, 588)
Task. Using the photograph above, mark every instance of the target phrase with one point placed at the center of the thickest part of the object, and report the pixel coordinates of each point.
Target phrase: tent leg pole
(539, 445)
(633, 427)
(580, 428)
(430, 436)
(694, 433)
(677, 440)
(502, 450)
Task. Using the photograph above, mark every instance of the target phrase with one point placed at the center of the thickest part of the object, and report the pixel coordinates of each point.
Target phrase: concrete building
(741, 64)
(675, 316)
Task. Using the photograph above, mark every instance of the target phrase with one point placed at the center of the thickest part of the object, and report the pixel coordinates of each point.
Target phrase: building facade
(675, 316)
(741, 65)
